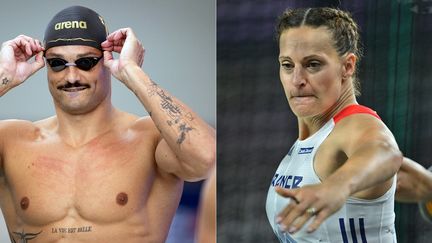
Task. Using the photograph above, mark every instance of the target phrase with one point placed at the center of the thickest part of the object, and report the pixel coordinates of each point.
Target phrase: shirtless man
(93, 173)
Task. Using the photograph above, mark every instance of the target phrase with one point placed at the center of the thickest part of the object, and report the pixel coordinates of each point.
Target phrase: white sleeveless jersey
(358, 221)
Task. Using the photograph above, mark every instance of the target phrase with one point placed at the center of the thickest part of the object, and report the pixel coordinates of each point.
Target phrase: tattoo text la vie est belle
(71, 230)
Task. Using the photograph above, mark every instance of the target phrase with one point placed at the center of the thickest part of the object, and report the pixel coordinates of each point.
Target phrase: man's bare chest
(49, 181)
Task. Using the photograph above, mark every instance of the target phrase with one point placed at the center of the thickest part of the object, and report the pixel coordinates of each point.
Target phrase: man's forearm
(4, 83)
(186, 133)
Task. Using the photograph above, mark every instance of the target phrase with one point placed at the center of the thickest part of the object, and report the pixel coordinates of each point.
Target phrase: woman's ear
(349, 65)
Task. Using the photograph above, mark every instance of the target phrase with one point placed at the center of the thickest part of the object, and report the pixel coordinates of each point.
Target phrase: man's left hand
(131, 51)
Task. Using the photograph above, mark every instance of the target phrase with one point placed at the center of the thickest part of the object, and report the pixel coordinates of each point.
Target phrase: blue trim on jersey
(353, 231)
(343, 231)
(362, 230)
(291, 150)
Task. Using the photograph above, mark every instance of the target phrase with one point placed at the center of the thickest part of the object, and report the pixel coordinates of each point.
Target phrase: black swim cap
(76, 25)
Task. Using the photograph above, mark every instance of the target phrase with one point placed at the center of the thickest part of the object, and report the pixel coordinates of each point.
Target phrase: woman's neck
(310, 125)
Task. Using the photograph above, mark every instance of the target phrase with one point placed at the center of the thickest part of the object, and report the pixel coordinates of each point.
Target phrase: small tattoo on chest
(5, 81)
(24, 237)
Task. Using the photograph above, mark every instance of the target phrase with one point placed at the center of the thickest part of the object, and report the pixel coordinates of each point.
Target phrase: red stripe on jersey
(354, 109)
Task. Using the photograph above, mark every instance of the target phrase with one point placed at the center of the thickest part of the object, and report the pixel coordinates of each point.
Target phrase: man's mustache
(73, 85)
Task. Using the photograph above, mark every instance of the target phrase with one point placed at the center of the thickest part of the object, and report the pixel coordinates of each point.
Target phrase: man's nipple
(122, 199)
(25, 202)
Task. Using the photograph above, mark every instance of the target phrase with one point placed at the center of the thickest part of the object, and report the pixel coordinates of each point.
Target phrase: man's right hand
(14, 65)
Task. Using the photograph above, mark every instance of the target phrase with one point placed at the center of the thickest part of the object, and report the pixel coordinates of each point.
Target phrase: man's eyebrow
(86, 54)
(55, 55)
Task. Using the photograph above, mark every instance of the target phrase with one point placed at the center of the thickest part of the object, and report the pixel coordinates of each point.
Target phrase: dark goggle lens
(85, 63)
(57, 64)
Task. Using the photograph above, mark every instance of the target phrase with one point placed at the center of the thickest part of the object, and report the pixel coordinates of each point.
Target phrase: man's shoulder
(144, 123)
(22, 126)
(136, 124)
(15, 129)
(142, 129)
(14, 124)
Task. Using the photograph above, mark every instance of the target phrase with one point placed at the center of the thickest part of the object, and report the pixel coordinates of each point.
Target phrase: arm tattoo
(177, 116)
(5, 81)
(152, 90)
(183, 130)
(24, 237)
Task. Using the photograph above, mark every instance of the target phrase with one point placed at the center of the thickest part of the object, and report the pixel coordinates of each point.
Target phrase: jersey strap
(354, 109)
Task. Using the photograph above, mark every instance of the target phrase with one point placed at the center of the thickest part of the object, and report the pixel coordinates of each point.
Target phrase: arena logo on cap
(71, 25)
